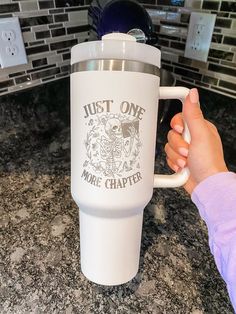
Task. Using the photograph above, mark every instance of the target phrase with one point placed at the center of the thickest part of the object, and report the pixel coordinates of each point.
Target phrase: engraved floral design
(112, 144)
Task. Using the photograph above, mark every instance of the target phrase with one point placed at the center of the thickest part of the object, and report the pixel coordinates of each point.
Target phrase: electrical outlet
(12, 49)
(8, 35)
(200, 32)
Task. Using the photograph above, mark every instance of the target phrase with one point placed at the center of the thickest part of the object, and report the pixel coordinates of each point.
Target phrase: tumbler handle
(180, 178)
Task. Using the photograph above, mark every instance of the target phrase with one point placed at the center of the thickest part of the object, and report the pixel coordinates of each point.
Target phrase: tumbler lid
(116, 46)
(110, 247)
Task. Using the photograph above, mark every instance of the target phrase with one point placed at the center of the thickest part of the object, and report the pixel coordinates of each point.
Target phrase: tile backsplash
(171, 18)
(51, 27)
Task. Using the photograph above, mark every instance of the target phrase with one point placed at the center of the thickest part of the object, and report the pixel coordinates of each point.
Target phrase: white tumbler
(114, 105)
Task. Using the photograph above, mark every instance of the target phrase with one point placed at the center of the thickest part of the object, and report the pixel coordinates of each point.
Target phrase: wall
(171, 18)
(51, 27)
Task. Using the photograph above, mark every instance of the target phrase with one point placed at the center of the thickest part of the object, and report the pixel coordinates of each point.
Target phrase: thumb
(193, 114)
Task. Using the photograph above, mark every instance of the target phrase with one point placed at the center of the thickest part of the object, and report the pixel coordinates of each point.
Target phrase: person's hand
(204, 155)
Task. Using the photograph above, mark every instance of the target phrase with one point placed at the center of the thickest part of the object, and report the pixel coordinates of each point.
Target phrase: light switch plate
(12, 49)
(200, 32)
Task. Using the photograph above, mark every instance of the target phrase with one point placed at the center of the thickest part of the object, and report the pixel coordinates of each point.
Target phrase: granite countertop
(40, 270)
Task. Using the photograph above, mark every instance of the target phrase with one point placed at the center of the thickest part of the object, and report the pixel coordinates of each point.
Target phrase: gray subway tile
(45, 73)
(66, 56)
(43, 34)
(220, 54)
(225, 23)
(11, 7)
(35, 43)
(39, 62)
(38, 49)
(227, 85)
(187, 73)
(229, 6)
(229, 40)
(23, 79)
(63, 44)
(58, 32)
(177, 45)
(28, 5)
(7, 83)
(16, 74)
(46, 4)
(77, 29)
(210, 80)
(36, 20)
(61, 17)
(216, 38)
(222, 69)
(210, 5)
(228, 63)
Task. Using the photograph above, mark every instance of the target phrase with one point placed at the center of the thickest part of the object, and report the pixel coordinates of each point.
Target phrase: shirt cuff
(212, 193)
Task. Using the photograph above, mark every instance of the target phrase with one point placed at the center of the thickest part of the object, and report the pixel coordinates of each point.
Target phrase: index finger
(177, 123)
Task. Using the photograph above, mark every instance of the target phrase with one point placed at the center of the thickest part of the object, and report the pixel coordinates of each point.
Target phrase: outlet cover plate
(12, 49)
(200, 32)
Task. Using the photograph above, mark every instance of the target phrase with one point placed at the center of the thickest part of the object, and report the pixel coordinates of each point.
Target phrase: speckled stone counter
(40, 269)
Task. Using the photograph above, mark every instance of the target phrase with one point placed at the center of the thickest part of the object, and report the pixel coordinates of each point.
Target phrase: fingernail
(178, 128)
(181, 163)
(183, 151)
(176, 168)
(193, 95)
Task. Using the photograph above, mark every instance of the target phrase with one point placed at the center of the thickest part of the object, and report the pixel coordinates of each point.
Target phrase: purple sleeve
(215, 198)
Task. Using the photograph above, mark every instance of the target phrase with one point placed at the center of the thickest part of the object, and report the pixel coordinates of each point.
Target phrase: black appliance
(124, 16)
